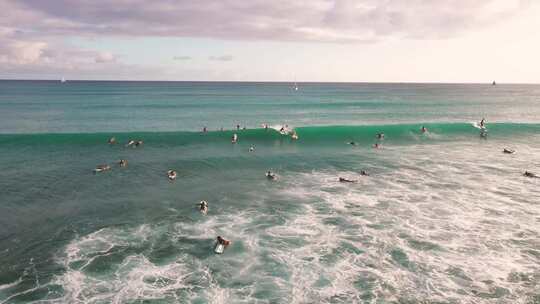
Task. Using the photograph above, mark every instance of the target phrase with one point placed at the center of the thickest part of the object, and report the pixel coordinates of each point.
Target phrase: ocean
(443, 216)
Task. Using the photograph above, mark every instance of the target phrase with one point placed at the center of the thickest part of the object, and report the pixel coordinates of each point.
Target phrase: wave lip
(398, 133)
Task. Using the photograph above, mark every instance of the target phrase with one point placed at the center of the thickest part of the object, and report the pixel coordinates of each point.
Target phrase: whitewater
(443, 216)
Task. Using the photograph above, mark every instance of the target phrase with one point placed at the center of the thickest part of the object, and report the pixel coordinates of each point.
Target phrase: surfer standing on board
(482, 123)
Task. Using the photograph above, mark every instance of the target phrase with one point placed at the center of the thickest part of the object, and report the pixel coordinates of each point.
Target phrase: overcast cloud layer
(32, 32)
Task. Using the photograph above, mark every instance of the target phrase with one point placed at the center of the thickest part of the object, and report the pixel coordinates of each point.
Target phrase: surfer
(171, 174)
(482, 123)
(123, 163)
(364, 173)
(112, 141)
(345, 180)
(530, 174)
(380, 136)
(102, 168)
(424, 129)
(271, 175)
(205, 130)
(352, 143)
(134, 143)
(266, 127)
(234, 138)
(377, 146)
(237, 127)
(251, 149)
(221, 244)
(508, 151)
(294, 136)
(203, 207)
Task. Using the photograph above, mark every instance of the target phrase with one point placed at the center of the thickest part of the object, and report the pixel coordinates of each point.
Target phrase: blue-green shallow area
(444, 217)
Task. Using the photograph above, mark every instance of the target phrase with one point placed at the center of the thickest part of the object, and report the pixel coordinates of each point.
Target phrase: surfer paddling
(221, 244)
(530, 174)
(508, 151)
(171, 174)
(203, 207)
(102, 168)
(271, 175)
(346, 180)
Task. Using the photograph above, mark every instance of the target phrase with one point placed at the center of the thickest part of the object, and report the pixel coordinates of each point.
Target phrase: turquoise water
(444, 217)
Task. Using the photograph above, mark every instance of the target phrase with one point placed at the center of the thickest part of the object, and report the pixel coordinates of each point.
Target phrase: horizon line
(273, 81)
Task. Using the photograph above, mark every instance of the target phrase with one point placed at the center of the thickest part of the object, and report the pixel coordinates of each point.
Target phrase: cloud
(105, 57)
(284, 20)
(221, 58)
(181, 58)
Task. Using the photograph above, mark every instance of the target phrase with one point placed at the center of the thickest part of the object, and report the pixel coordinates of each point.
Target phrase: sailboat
(295, 85)
(494, 83)
(63, 79)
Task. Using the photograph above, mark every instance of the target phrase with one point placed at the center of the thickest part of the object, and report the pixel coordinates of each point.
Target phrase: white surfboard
(219, 248)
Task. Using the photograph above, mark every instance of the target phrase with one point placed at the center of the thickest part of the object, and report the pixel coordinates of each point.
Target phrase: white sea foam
(431, 225)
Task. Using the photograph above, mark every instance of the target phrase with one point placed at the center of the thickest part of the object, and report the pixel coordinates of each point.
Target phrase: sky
(272, 40)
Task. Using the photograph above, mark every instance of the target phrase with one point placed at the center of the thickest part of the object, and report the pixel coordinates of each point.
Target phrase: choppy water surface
(444, 217)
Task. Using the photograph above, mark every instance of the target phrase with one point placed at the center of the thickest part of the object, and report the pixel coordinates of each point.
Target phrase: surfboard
(219, 248)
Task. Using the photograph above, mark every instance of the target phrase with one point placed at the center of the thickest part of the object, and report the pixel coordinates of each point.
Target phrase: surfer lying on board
(271, 175)
(203, 207)
(509, 151)
(102, 168)
(345, 180)
(530, 174)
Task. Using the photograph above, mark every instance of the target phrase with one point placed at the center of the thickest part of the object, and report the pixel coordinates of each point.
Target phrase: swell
(397, 133)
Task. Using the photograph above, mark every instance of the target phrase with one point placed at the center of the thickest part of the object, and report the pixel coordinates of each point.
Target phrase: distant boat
(295, 85)
(63, 80)
(494, 83)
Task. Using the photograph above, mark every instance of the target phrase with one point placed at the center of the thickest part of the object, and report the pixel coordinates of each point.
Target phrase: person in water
(376, 146)
(251, 149)
(112, 140)
(352, 143)
(234, 138)
(123, 163)
(223, 241)
(345, 180)
(205, 130)
(171, 174)
(380, 136)
(271, 175)
(203, 207)
(508, 151)
(102, 168)
(364, 173)
(530, 174)
(424, 129)
(237, 127)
